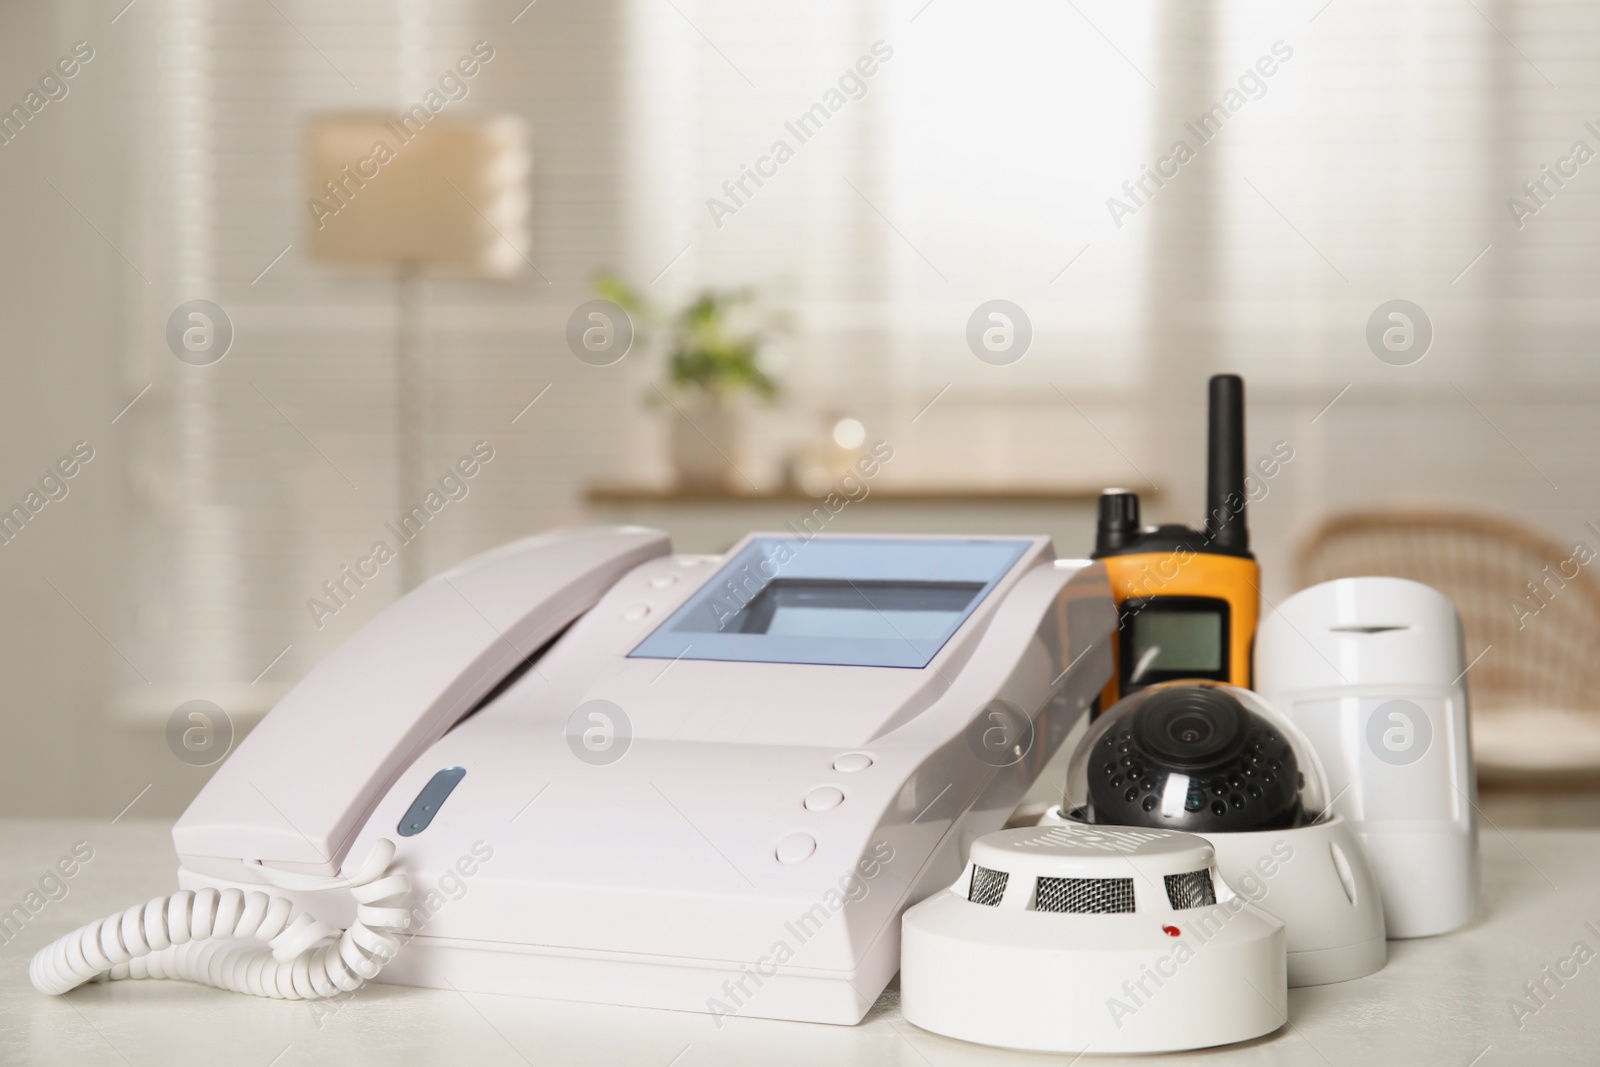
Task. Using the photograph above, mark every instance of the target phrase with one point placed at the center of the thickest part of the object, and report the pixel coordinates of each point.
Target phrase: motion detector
(1218, 761)
(1374, 672)
(1075, 939)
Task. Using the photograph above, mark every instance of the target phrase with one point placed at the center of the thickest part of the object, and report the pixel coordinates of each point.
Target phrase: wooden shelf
(614, 494)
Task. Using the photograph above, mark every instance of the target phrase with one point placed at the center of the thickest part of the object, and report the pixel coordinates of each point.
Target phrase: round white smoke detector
(1086, 938)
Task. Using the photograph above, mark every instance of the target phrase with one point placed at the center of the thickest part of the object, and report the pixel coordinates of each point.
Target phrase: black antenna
(1225, 491)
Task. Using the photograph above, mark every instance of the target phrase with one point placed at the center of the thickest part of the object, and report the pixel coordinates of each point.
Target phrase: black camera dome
(1193, 757)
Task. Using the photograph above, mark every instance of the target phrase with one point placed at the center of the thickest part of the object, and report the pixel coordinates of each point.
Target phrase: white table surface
(1441, 1000)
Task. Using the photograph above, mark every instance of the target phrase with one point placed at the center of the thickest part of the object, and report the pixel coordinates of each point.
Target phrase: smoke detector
(1076, 938)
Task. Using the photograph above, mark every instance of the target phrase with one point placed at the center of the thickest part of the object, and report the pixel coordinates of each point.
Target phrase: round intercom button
(635, 612)
(796, 848)
(825, 798)
(852, 761)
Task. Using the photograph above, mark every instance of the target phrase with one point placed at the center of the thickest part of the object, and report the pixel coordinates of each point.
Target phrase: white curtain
(972, 163)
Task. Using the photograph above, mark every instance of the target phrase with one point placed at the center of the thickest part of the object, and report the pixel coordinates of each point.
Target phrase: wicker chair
(1536, 691)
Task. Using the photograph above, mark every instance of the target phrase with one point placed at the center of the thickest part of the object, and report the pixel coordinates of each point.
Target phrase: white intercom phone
(581, 767)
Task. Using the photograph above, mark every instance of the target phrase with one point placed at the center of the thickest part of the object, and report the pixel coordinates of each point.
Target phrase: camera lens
(1189, 729)
(1191, 726)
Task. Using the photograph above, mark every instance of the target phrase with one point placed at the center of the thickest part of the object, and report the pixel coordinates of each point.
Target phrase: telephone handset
(285, 807)
(302, 783)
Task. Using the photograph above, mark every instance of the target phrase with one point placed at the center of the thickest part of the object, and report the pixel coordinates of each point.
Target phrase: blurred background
(260, 346)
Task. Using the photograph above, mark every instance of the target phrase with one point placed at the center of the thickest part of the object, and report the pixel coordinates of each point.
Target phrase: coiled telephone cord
(205, 936)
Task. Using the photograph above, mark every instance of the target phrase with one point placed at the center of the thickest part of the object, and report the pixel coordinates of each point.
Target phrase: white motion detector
(1373, 671)
(1074, 939)
(1215, 760)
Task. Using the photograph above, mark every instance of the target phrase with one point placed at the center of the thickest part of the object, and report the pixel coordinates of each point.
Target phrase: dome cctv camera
(1194, 758)
(1212, 759)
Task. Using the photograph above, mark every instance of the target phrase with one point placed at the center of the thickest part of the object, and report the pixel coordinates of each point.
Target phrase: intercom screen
(1176, 640)
(845, 601)
(918, 611)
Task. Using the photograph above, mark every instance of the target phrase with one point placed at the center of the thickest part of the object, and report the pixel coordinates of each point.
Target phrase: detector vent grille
(1192, 889)
(987, 886)
(1084, 895)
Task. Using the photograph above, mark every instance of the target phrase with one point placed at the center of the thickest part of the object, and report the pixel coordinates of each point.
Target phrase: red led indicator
(1171, 931)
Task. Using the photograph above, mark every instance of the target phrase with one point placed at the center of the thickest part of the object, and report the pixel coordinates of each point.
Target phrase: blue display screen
(868, 602)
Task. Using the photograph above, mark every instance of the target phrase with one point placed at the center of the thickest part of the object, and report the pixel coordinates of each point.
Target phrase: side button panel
(428, 802)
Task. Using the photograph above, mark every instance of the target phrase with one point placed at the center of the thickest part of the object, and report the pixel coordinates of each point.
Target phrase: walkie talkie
(1188, 600)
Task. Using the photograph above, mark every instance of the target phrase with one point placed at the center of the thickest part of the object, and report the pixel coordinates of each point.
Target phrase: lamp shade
(445, 195)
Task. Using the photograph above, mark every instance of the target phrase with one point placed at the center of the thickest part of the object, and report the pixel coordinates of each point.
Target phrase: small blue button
(430, 800)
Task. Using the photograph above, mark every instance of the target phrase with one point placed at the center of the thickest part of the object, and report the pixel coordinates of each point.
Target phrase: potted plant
(714, 347)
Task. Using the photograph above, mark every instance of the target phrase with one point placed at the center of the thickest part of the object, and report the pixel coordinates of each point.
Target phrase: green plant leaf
(706, 353)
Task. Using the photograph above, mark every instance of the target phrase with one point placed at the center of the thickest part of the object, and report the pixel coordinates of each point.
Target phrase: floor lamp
(423, 196)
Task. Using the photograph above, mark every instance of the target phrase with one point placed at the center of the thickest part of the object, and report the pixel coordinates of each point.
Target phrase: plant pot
(702, 442)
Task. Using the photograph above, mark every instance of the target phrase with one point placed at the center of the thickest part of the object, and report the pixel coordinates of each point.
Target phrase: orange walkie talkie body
(1187, 600)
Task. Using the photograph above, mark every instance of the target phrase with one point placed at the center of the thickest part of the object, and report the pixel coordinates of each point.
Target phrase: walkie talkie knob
(1118, 523)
